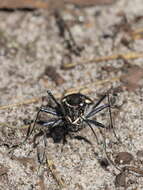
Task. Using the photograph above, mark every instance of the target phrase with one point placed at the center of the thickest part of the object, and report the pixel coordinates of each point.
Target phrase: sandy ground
(29, 42)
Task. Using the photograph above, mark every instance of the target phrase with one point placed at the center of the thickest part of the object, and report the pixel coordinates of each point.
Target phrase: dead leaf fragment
(132, 78)
(26, 161)
(51, 72)
(3, 169)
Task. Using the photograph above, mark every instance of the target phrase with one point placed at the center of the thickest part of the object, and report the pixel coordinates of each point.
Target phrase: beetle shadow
(59, 135)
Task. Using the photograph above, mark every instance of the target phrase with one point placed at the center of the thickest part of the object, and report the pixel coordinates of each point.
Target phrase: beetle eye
(87, 101)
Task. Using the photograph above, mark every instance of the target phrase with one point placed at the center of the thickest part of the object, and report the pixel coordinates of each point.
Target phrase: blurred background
(66, 46)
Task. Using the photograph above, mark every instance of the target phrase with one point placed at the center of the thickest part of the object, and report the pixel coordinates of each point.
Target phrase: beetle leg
(95, 111)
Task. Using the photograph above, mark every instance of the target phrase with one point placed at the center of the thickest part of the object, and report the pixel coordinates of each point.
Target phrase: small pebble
(120, 180)
(124, 158)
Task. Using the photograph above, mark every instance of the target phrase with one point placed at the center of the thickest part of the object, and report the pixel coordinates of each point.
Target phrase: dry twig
(34, 4)
(127, 56)
(87, 88)
(137, 34)
(33, 100)
(54, 172)
(12, 126)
